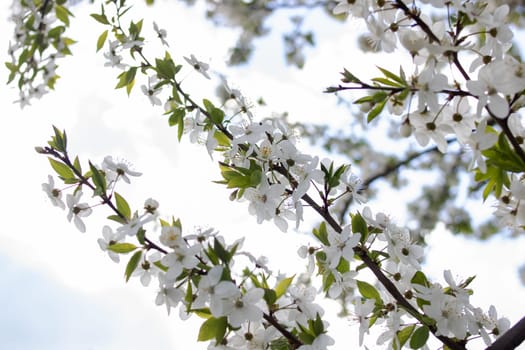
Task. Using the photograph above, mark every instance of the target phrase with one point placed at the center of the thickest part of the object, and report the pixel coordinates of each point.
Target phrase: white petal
(498, 106)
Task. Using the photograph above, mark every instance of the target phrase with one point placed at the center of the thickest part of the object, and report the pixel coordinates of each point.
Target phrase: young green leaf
(392, 76)
(269, 296)
(62, 14)
(59, 140)
(221, 252)
(122, 206)
(122, 248)
(101, 40)
(100, 18)
(132, 264)
(368, 291)
(404, 334)
(318, 326)
(213, 328)
(420, 278)
(359, 226)
(98, 179)
(321, 233)
(63, 171)
(118, 219)
(282, 286)
(127, 79)
(376, 110)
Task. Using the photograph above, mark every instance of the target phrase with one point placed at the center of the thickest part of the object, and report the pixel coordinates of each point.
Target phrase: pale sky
(60, 291)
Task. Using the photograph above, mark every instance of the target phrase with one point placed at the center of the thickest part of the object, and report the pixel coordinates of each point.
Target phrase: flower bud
(405, 130)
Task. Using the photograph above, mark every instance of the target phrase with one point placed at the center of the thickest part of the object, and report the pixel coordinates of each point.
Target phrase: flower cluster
(38, 41)
(261, 163)
(465, 79)
(195, 272)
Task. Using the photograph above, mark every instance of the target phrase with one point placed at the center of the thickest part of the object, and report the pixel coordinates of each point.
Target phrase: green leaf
(13, 68)
(280, 344)
(56, 32)
(404, 334)
(160, 266)
(222, 139)
(101, 40)
(213, 328)
(502, 155)
(132, 264)
(122, 206)
(282, 286)
(216, 114)
(359, 226)
(101, 18)
(387, 82)
(379, 96)
(419, 338)
(59, 140)
(62, 14)
(127, 79)
(177, 118)
(269, 296)
(238, 177)
(98, 179)
(77, 166)
(392, 76)
(349, 77)
(221, 252)
(122, 248)
(343, 266)
(318, 326)
(166, 67)
(368, 291)
(117, 219)
(420, 278)
(63, 171)
(496, 178)
(305, 336)
(141, 236)
(468, 281)
(321, 233)
(374, 112)
(135, 28)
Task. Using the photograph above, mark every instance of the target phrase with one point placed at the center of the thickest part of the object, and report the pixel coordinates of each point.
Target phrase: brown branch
(392, 168)
(383, 279)
(388, 170)
(452, 344)
(292, 339)
(402, 6)
(458, 65)
(511, 339)
(395, 90)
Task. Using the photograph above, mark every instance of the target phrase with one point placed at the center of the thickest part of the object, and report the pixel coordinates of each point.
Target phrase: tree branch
(511, 338)
(388, 170)
(431, 36)
(292, 339)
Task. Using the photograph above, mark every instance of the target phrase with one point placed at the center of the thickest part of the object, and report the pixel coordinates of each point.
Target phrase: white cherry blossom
(77, 210)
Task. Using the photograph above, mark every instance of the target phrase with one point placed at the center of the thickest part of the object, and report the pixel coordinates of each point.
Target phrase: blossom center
(431, 126)
(457, 117)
